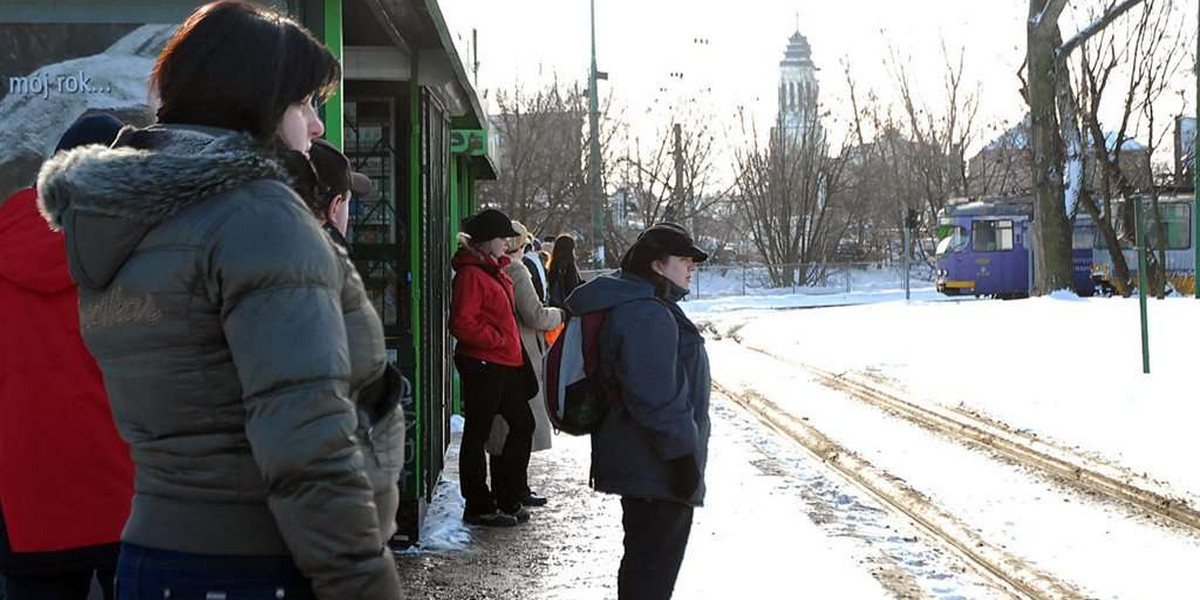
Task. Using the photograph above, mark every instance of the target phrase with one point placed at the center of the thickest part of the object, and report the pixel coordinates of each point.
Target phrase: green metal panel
(414, 164)
(456, 191)
(333, 40)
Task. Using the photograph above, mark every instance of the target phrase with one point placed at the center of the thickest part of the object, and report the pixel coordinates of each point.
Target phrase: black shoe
(519, 513)
(492, 519)
(532, 499)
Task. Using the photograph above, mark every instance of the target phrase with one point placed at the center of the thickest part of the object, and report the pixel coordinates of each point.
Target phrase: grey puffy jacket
(233, 338)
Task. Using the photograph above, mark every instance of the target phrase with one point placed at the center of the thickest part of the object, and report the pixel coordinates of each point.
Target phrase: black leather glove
(685, 477)
(385, 394)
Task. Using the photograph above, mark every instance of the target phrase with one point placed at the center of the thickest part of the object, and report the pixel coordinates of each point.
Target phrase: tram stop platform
(754, 537)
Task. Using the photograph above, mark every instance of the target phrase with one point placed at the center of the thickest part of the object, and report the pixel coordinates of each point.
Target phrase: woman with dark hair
(235, 341)
(652, 447)
(563, 276)
(489, 360)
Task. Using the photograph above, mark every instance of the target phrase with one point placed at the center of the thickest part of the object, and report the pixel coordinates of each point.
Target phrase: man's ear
(334, 205)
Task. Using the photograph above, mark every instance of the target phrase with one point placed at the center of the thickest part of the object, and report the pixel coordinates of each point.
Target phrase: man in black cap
(652, 446)
(337, 183)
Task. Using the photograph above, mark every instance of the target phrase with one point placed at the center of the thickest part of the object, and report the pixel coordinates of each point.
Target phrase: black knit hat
(488, 225)
(95, 128)
(661, 240)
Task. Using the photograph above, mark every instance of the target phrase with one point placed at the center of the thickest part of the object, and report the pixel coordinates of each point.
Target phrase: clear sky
(640, 42)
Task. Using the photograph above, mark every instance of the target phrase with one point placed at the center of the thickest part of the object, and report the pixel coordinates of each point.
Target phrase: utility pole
(595, 185)
(675, 209)
(475, 58)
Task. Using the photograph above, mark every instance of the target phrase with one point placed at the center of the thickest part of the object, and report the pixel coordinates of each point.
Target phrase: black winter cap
(488, 225)
(96, 128)
(334, 170)
(660, 240)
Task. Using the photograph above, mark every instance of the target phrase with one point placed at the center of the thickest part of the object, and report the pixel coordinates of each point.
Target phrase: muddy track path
(1022, 579)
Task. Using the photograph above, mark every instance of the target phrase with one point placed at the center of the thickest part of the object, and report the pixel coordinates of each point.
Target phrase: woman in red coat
(66, 478)
(489, 360)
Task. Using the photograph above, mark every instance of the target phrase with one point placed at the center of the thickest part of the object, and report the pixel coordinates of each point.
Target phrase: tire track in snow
(1017, 575)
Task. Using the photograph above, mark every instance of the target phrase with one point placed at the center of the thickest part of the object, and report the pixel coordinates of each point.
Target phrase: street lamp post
(595, 185)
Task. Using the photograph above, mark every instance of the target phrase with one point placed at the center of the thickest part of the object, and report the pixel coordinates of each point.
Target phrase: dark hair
(562, 259)
(239, 66)
(638, 260)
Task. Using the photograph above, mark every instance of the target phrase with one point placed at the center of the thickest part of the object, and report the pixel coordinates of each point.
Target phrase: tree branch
(1096, 27)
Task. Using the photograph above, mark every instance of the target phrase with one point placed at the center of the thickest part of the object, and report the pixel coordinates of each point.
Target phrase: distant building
(1185, 150)
(798, 92)
(1004, 166)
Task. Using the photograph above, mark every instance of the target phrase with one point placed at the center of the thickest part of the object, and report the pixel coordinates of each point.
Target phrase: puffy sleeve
(279, 287)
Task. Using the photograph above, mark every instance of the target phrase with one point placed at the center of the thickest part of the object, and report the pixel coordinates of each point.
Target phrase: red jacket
(482, 313)
(66, 478)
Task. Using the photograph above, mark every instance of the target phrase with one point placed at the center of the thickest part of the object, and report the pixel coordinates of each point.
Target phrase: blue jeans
(150, 574)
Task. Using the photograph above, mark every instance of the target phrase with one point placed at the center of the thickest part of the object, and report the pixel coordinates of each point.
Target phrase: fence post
(743, 279)
(849, 273)
(794, 274)
(698, 271)
(1139, 231)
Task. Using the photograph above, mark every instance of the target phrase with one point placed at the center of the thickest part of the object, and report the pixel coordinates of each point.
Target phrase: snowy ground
(1063, 368)
(776, 524)
(780, 523)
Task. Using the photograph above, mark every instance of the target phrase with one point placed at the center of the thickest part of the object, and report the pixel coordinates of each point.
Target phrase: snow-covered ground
(713, 281)
(1064, 368)
(780, 523)
(776, 524)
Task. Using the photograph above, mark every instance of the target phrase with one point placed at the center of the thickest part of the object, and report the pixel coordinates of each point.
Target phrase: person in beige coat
(534, 319)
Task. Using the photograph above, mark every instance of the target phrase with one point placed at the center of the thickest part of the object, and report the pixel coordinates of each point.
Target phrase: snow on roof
(1110, 141)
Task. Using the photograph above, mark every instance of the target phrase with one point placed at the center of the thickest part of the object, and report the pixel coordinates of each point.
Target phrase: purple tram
(985, 249)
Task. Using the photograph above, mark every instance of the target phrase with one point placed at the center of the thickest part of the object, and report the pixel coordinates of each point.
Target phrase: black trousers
(488, 390)
(656, 536)
(60, 575)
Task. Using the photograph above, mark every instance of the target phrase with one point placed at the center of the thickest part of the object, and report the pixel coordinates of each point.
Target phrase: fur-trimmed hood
(107, 199)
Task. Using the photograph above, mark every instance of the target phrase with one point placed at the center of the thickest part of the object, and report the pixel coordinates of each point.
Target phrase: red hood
(31, 255)
(468, 257)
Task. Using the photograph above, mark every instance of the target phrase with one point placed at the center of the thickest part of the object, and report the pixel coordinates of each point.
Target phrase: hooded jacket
(233, 338)
(66, 478)
(482, 309)
(658, 358)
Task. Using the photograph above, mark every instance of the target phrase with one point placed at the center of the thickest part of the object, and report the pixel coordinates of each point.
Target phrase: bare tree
(1054, 135)
(784, 191)
(676, 182)
(541, 149)
(1148, 52)
(914, 161)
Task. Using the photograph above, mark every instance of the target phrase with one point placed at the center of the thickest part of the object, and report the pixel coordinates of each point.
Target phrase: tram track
(1061, 463)
(1020, 579)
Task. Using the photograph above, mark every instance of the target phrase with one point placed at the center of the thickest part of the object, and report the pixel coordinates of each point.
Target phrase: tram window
(952, 239)
(991, 236)
(1176, 227)
(1177, 221)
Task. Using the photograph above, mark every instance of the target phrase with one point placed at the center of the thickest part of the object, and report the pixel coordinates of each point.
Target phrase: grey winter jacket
(233, 338)
(661, 367)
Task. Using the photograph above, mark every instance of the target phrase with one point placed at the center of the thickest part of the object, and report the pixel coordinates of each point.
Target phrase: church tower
(797, 90)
